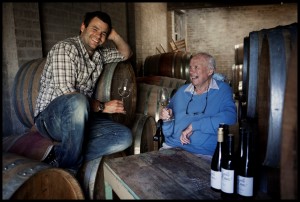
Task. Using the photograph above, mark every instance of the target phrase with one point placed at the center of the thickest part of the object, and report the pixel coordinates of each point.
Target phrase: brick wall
(218, 30)
(150, 30)
(27, 30)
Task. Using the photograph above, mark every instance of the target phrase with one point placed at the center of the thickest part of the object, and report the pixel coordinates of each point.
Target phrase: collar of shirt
(213, 85)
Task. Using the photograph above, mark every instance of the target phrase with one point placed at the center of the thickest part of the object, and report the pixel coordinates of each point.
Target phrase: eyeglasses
(196, 113)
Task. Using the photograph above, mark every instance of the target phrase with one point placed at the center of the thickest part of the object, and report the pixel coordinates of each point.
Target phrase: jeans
(81, 135)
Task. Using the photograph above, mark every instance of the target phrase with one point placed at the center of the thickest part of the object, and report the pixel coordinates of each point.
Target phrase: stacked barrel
(25, 178)
(269, 66)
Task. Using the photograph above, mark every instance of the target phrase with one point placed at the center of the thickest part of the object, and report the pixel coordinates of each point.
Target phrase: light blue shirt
(220, 108)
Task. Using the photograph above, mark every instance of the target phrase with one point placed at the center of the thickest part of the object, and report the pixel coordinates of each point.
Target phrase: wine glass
(124, 89)
(164, 97)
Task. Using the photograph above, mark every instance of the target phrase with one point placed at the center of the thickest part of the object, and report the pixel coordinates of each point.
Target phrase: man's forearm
(121, 44)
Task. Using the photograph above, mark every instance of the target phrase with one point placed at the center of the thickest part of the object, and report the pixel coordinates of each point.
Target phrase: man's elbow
(128, 55)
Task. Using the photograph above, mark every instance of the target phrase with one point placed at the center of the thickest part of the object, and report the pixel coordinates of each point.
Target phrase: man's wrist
(167, 120)
(101, 106)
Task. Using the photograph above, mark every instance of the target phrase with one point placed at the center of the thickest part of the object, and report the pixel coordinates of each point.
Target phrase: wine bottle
(240, 149)
(225, 130)
(228, 169)
(215, 171)
(162, 137)
(159, 137)
(245, 164)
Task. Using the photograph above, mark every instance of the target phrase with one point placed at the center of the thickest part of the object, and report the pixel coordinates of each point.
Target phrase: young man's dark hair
(99, 14)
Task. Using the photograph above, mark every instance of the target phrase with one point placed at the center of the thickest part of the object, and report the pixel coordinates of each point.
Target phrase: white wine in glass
(163, 96)
(125, 89)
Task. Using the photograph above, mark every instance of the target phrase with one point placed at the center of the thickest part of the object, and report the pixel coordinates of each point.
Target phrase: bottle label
(215, 179)
(227, 181)
(245, 186)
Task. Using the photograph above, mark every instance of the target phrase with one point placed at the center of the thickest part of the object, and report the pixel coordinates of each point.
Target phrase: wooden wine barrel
(243, 92)
(268, 54)
(147, 99)
(143, 130)
(245, 67)
(25, 90)
(29, 144)
(255, 43)
(151, 65)
(165, 81)
(26, 87)
(238, 54)
(289, 148)
(272, 71)
(237, 79)
(87, 177)
(91, 177)
(234, 82)
(24, 178)
(107, 89)
(171, 64)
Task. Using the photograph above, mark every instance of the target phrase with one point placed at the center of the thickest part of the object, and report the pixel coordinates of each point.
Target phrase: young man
(65, 109)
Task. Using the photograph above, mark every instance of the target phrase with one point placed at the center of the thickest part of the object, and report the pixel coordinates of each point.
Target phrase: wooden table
(165, 174)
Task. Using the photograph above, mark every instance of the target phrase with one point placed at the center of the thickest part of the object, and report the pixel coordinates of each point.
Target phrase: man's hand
(166, 114)
(185, 135)
(113, 106)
